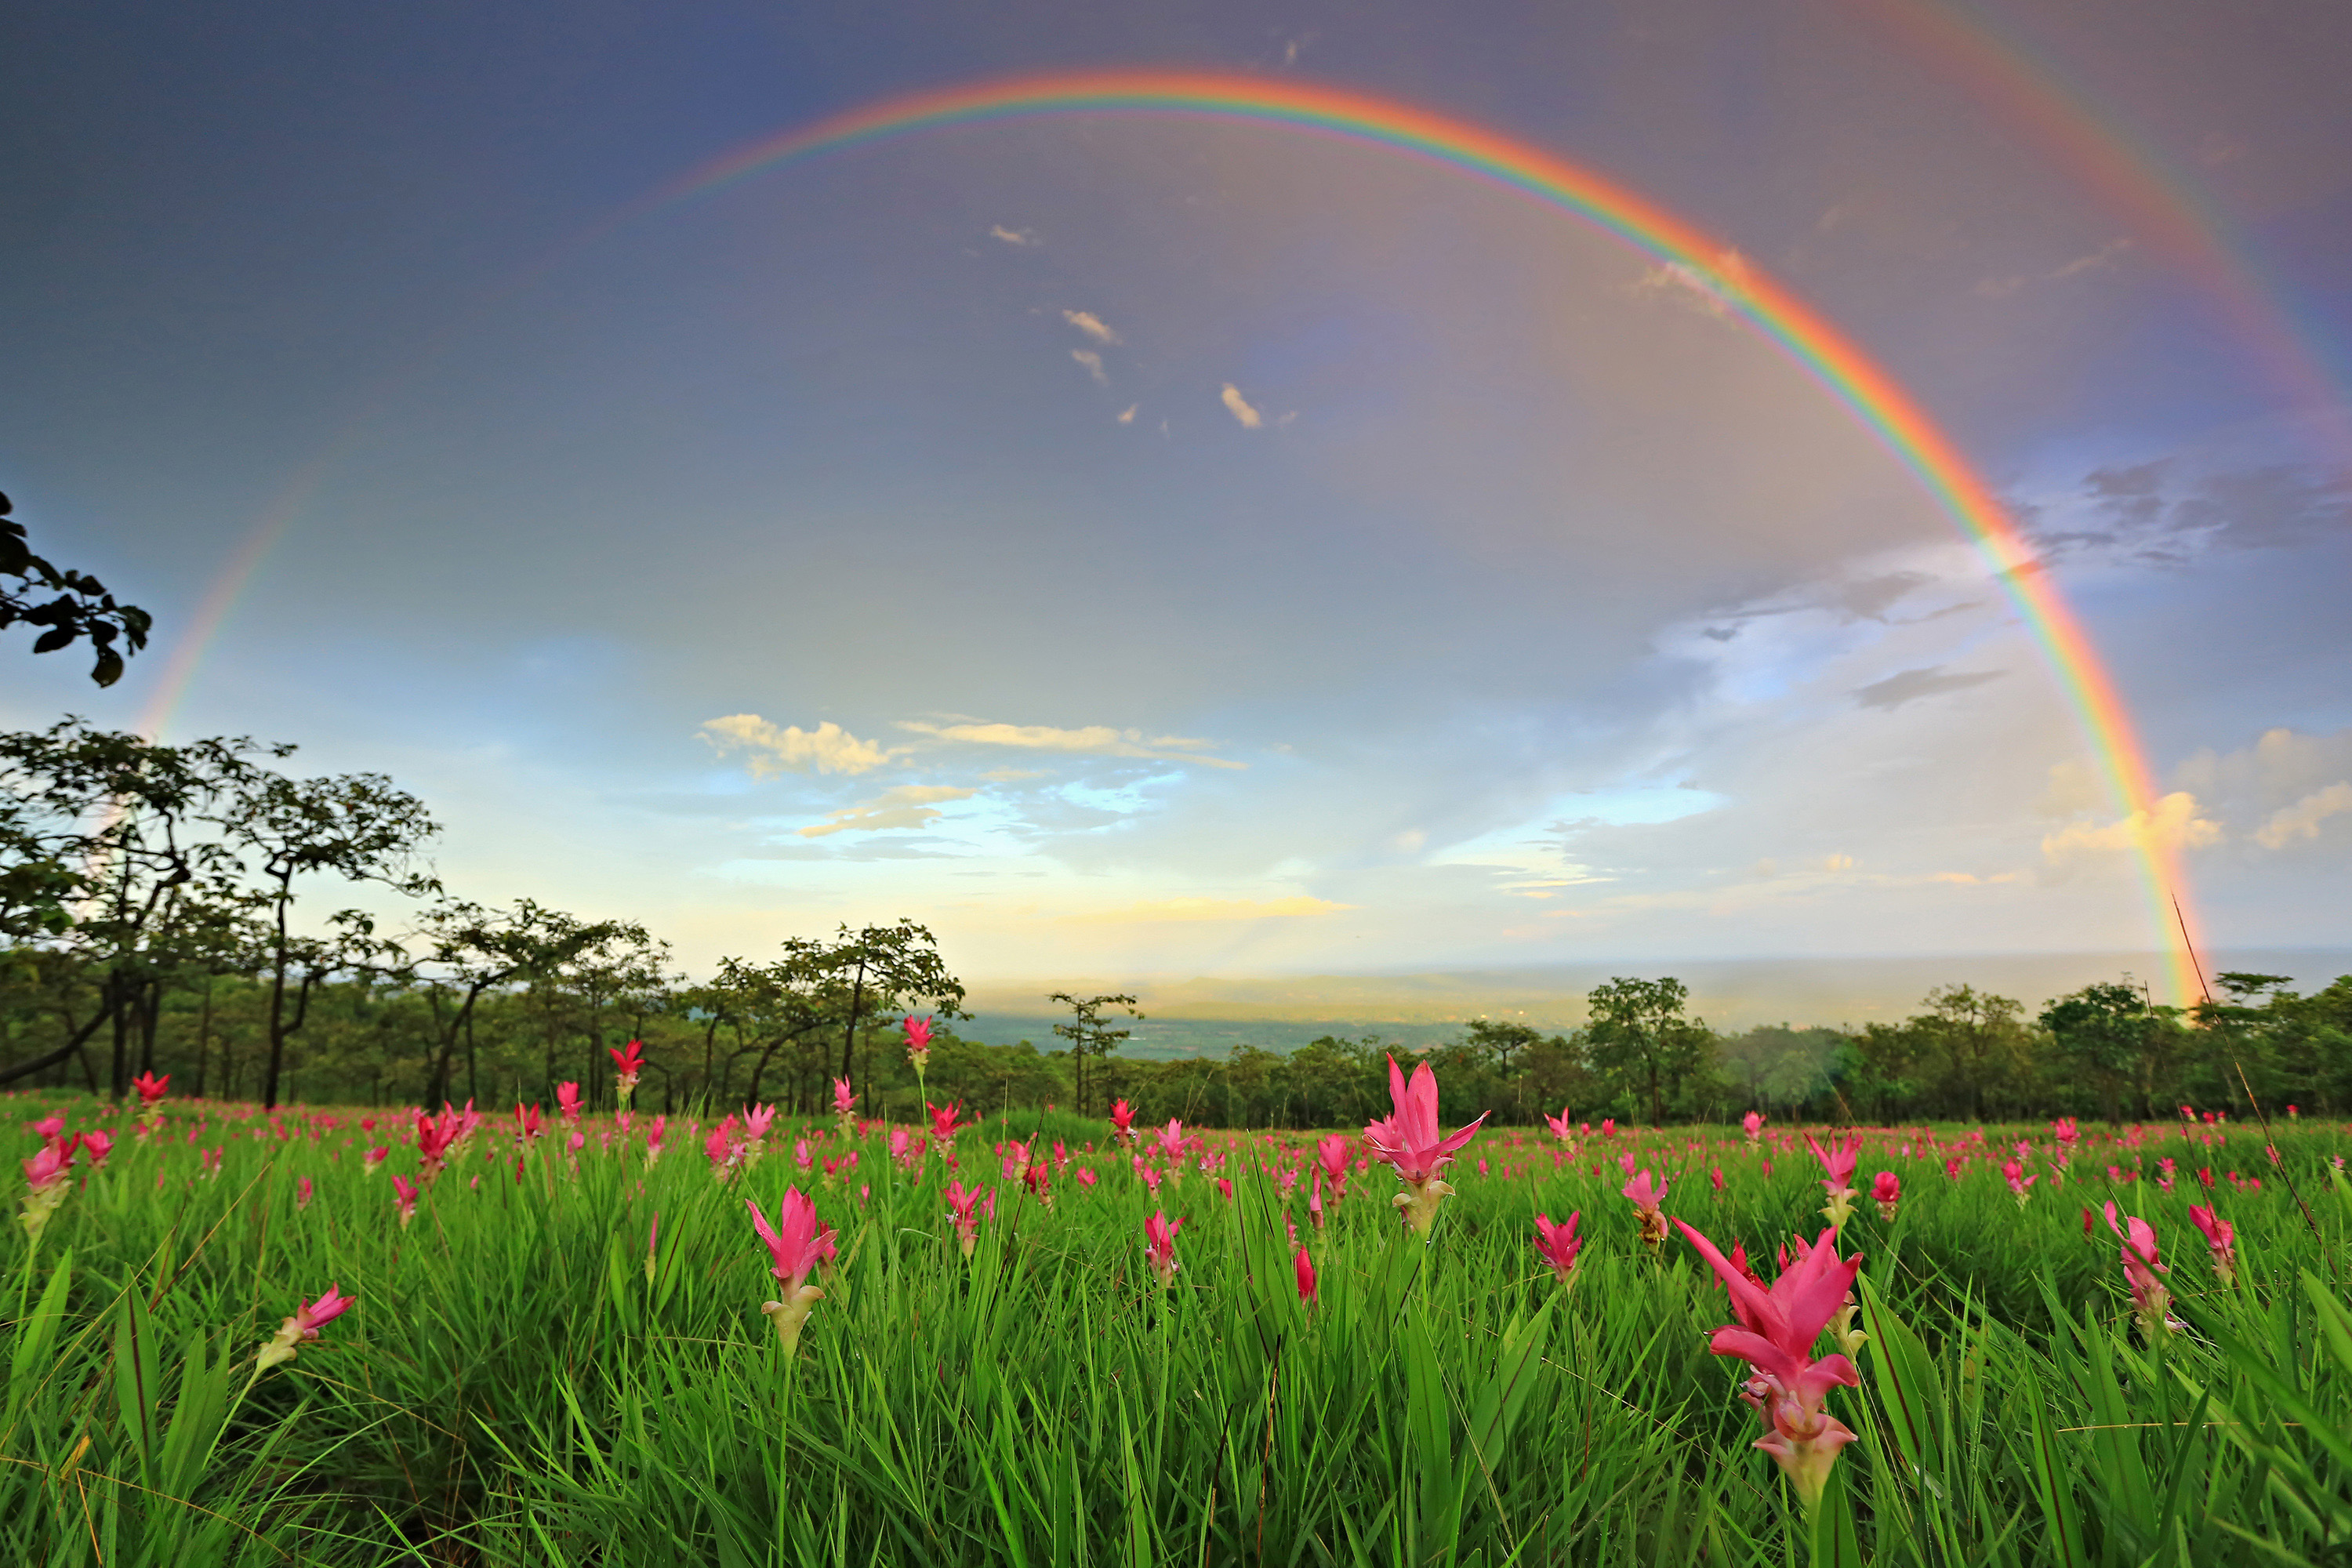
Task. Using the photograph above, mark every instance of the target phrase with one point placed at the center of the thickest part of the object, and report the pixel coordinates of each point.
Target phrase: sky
(1187, 546)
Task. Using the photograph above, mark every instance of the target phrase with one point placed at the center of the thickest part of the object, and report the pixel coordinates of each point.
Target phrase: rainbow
(1828, 355)
(1841, 367)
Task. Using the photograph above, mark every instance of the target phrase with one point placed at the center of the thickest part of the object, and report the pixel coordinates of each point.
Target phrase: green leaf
(1836, 1544)
(2052, 1486)
(1905, 1376)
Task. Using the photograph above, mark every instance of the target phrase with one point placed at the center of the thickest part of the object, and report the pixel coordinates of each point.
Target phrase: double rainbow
(1841, 367)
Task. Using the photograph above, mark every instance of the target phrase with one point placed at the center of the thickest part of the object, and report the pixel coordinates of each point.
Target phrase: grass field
(562, 1356)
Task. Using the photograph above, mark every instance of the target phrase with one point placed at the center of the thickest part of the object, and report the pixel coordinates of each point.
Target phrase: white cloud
(909, 805)
(1092, 325)
(1093, 362)
(827, 748)
(2103, 256)
(1128, 417)
(1097, 740)
(2302, 819)
(1024, 238)
(1239, 407)
(1714, 289)
(2173, 824)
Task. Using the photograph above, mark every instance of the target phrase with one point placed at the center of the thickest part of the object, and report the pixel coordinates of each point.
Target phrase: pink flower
(2151, 1299)
(404, 1196)
(1837, 1166)
(2221, 1238)
(1172, 1142)
(302, 1198)
(1160, 1246)
(372, 1158)
(1886, 1191)
(627, 1062)
(2064, 1132)
(98, 1145)
(151, 1088)
(309, 1318)
(963, 1210)
(1753, 1125)
(1304, 1267)
(919, 1042)
(2015, 1174)
(1715, 1175)
(796, 1244)
(1086, 1177)
(1560, 1129)
(1122, 1121)
(1408, 1141)
(1557, 1244)
(843, 1102)
(1332, 1155)
(567, 1101)
(1775, 1336)
(49, 1129)
(943, 1123)
(1647, 1194)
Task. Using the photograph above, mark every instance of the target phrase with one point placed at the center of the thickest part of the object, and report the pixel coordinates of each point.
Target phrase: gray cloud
(1911, 685)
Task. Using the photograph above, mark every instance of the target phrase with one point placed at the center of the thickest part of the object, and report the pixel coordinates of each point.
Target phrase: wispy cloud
(1238, 406)
(1096, 739)
(2103, 256)
(1026, 238)
(1093, 362)
(1714, 289)
(1092, 325)
(827, 748)
(2302, 819)
(1156, 910)
(1127, 417)
(909, 805)
(1911, 685)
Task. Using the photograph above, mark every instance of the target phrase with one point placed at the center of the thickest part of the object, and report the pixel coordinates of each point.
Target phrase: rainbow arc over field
(1838, 365)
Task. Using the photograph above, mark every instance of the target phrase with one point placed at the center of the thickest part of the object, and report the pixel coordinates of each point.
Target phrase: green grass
(515, 1386)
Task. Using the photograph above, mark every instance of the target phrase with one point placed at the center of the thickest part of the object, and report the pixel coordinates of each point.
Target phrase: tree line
(160, 912)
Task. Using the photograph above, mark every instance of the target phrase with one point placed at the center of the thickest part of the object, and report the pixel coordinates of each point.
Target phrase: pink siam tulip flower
(372, 1158)
(654, 1133)
(1561, 1131)
(1886, 1191)
(1122, 1121)
(943, 1123)
(1151, 1175)
(309, 1318)
(527, 1125)
(2064, 1129)
(2219, 1236)
(1160, 1246)
(151, 1100)
(1753, 1125)
(2015, 1174)
(567, 1102)
(1647, 1194)
(1171, 1143)
(434, 1137)
(963, 1209)
(1557, 1244)
(845, 1104)
(1408, 1141)
(1039, 1179)
(1715, 1175)
(723, 1152)
(96, 1145)
(796, 1244)
(1775, 1336)
(627, 1062)
(1314, 1201)
(1332, 1155)
(1837, 1166)
(404, 1196)
(1304, 1268)
(302, 1193)
(49, 1129)
(2151, 1299)
(1609, 1127)
(918, 1042)
(1086, 1177)
(44, 1177)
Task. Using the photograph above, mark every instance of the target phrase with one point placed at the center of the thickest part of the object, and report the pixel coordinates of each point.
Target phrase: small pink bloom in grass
(374, 1157)
(1225, 1188)
(302, 1193)
(1715, 1175)
(919, 1042)
(796, 1244)
(1561, 1129)
(577, 1142)
(1557, 1244)
(801, 1156)
(1886, 1191)
(2015, 1174)
(1647, 1193)
(1408, 1140)
(96, 1145)
(1332, 1155)
(2151, 1299)
(1953, 1167)
(1039, 1178)
(1314, 1201)
(2090, 1222)
(309, 1318)
(1837, 1169)
(943, 1123)
(1304, 1268)
(627, 1062)
(2064, 1129)
(964, 1211)
(567, 1101)
(151, 1088)
(403, 1197)
(1172, 1142)
(1086, 1177)
(1160, 1246)
(49, 1129)
(1753, 1125)
(1775, 1336)
(1122, 1121)
(2221, 1238)
(1609, 1127)
(1151, 1175)
(845, 1104)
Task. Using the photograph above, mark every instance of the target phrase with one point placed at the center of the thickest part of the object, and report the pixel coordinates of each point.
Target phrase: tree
(1980, 1037)
(1639, 1036)
(2106, 1033)
(883, 969)
(356, 827)
(1086, 1033)
(82, 608)
(471, 950)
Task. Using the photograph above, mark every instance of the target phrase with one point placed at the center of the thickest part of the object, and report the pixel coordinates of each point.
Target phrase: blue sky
(1139, 547)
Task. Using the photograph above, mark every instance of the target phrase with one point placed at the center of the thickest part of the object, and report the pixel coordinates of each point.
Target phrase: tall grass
(522, 1382)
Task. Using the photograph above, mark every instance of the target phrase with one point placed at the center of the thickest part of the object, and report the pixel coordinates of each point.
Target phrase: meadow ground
(561, 1357)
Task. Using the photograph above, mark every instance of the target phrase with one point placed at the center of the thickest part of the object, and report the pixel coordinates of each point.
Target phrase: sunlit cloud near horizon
(1170, 544)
